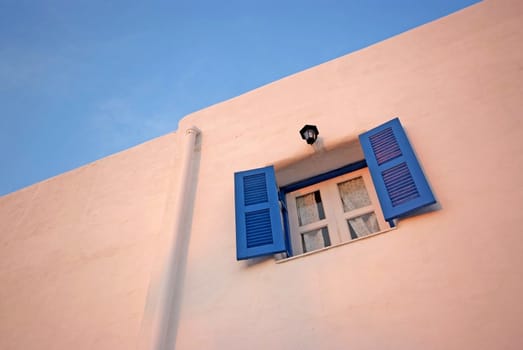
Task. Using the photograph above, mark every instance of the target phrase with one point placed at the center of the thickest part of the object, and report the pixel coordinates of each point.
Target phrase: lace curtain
(363, 225)
(310, 208)
(316, 239)
(353, 194)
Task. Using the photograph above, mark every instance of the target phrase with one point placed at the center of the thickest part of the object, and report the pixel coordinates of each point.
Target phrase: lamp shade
(309, 133)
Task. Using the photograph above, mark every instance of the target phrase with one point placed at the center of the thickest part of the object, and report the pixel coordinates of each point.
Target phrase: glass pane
(353, 194)
(316, 239)
(310, 208)
(363, 225)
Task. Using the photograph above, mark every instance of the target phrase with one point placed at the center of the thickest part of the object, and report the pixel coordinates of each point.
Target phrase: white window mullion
(313, 226)
(340, 230)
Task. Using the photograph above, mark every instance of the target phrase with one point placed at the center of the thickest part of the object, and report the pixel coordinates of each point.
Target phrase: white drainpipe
(160, 322)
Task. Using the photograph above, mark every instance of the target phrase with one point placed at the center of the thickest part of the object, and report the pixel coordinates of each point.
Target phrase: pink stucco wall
(76, 251)
(82, 254)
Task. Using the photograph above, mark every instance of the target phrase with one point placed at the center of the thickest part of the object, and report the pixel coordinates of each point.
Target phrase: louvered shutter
(399, 181)
(258, 218)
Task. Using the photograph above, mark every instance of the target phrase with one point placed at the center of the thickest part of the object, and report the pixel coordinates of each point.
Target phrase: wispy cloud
(117, 123)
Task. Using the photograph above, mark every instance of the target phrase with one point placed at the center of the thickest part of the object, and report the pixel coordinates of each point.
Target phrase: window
(336, 206)
(333, 211)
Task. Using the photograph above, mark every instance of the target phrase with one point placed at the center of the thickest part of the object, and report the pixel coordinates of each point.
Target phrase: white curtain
(353, 194)
(313, 240)
(364, 225)
(308, 208)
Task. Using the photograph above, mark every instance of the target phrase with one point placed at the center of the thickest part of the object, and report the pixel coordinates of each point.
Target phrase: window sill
(334, 246)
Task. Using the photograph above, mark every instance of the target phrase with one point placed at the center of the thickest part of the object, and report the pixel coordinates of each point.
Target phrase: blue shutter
(395, 171)
(258, 219)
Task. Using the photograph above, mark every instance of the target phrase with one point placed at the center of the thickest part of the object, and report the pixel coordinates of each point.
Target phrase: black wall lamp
(309, 133)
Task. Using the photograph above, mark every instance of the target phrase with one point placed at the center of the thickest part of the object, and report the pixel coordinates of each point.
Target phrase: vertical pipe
(163, 304)
(171, 293)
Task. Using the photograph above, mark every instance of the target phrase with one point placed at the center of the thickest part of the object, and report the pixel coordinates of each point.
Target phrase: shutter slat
(258, 227)
(385, 146)
(255, 189)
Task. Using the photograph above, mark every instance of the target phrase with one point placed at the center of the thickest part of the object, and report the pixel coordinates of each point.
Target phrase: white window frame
(335, 217)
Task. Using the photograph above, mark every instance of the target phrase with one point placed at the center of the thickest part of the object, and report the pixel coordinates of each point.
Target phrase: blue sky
(80, 80)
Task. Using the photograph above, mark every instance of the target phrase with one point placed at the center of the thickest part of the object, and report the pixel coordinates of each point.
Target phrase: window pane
(310, 208)
(353, 194)
(316, 239)
(363, 225)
